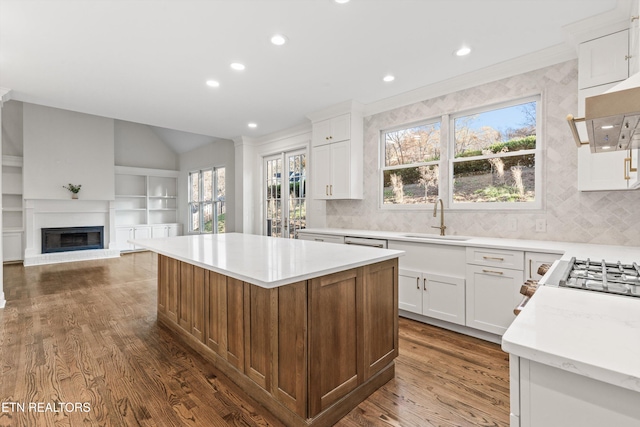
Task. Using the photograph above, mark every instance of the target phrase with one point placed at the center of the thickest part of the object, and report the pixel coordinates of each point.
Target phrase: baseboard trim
(476, 333)
(71, 256)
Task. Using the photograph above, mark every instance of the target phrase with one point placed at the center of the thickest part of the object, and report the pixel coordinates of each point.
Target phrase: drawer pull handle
(493, 258)
(492, 271)
(319, 240)
(424, 283)
(417, 283)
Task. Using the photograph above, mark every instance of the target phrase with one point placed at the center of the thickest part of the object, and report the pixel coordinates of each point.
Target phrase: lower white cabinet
(320, 237)
(492, 294)
(431, 280)
(12, 246)
(164, 231)
(552, 397)
(533, 261)
(129, 233)
(433, 295)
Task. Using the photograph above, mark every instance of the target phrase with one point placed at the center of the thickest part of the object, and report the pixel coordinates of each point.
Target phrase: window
(411, 158)
(206, 201)
(494, 157)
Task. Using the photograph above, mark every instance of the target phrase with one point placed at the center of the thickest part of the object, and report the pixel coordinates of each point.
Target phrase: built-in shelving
(12, 209)
(146, 199)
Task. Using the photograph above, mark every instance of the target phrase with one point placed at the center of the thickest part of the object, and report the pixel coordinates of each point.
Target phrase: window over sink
(491, 156)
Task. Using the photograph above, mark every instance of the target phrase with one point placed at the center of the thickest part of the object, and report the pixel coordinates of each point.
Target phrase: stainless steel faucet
(435, 213)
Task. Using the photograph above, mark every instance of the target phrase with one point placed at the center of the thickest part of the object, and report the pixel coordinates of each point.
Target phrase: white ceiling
(147, 61)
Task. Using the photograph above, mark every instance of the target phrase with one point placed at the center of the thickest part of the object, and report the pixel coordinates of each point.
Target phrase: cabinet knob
(628, 57)
(326, 137)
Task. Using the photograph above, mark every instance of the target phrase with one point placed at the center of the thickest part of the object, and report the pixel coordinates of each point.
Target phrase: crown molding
(593, 27)
(336, 110)
(5, 95)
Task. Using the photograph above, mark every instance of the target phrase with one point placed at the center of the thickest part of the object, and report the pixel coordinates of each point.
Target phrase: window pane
(220, 214)
(194, 187)
(413, 145)
(497, 179)
(410, 186)
(207, 185)
(502, 130)
(194, 212)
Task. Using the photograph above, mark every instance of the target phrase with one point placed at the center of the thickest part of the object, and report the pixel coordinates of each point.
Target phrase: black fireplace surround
(72, 239)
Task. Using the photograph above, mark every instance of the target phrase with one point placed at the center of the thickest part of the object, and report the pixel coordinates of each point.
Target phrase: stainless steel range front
(600, 276)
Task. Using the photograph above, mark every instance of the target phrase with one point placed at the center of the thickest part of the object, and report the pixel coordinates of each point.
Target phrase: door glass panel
(273, 196)
(219, 207)
(297, 193)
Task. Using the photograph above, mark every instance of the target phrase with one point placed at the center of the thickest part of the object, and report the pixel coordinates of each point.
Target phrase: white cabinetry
(320, 237)
(336, 156)
(431, 280)
(533, 260)
(604, 62)
(123, 234)
(494, 278)
(146, 204)
(552, 397)
(12, 209)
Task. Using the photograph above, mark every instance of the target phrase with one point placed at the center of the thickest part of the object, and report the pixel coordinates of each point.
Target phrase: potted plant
(75, 189)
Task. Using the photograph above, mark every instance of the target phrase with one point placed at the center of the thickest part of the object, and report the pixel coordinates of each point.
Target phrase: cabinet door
(159, 231)
(122, 235)
(216, 315)
(173, 230)
(185, 299)
(163, 283)
(444, 298)
(333, 347)
(340, 182)
(492, 294)
(533, 260)
(12, 246)
(173, 288)
(234, 324)
(290, 367)
(341, 128)
(410, 291)
(320, 133)
(380, 316)
(198, 304)
(603, 60)
(141, 232)
(321, 171)
(259, 305)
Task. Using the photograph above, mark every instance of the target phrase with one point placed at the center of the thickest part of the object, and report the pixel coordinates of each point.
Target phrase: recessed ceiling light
(606, 147)
(237, 66)
(607, 127)
(463, 51)
(213, 83)
(278, 39)
(253, 125)
(342, 1)
(388, 78)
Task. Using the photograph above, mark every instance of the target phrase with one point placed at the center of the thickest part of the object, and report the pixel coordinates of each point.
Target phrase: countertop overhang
(265, 261)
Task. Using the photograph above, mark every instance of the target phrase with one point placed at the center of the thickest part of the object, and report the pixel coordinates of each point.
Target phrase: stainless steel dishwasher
(362, 241)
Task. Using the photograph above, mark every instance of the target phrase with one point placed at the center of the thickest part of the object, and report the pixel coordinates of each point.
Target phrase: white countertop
(265, 261)
(625, 254)
(588, 333)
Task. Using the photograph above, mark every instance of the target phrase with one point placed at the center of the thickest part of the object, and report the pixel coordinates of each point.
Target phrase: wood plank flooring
(85, 333)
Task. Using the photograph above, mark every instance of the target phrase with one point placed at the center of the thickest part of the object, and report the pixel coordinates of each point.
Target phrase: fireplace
(67, 239)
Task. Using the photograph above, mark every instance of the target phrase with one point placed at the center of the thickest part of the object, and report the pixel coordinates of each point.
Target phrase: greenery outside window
(207, 201)
(494, 160)
(410, 166)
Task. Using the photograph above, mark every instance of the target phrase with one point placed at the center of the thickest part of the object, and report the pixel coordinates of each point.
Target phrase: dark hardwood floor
(79, 345)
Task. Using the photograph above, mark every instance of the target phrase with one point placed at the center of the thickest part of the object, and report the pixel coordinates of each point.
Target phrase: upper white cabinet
(336, 156)
(603, 62)
(335, 129)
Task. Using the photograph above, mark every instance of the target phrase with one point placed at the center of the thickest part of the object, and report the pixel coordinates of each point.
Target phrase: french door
(285, 193)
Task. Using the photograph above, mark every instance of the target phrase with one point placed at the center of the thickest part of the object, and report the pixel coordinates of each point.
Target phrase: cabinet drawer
(496, 257)
(321, 238)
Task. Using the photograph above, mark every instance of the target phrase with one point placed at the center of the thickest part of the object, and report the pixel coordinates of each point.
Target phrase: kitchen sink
(434, 237)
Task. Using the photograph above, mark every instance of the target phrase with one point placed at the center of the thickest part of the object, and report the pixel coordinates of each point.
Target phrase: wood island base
(309, 351)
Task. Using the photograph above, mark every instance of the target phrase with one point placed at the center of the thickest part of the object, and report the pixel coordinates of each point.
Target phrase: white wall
(12, 128)
(62, 147)
(136, 145)
(216, 154)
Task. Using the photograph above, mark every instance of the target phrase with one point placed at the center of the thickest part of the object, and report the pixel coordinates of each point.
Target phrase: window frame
(382, 168)
(201, 200)
(537, 152)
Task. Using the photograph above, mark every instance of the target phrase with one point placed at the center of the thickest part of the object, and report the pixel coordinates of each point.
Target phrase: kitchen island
(307, 329)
